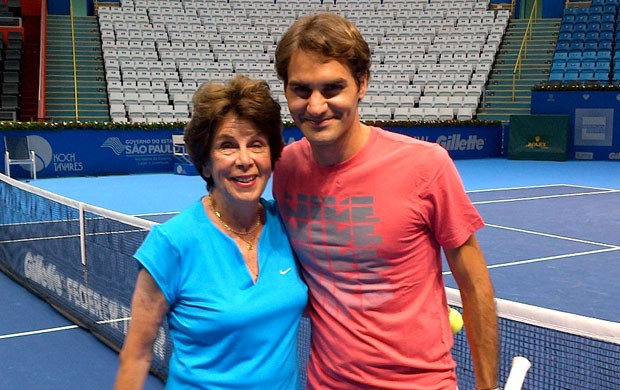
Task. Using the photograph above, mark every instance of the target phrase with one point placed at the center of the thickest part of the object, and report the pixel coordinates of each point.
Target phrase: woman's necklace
(249, 244)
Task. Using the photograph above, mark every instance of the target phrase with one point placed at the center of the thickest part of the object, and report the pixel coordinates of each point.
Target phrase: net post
(82, 235)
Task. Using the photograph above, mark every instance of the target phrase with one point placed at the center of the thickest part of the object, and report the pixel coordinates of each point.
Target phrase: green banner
(538, 137)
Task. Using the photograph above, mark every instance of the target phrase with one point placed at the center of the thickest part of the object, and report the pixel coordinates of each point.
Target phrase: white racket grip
(518, 371)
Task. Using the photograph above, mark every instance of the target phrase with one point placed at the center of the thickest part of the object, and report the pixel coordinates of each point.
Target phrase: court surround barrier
(594, 130)
(538, 137)
(80, 259)
(71, 152)
(98, 152)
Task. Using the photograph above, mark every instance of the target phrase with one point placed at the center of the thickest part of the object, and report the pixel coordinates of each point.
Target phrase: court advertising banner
(593, 132)
(94, 152)
(538, 137)
(461, 142)
(73, 152)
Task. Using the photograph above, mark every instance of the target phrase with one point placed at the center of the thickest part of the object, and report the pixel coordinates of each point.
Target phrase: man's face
(323, 99)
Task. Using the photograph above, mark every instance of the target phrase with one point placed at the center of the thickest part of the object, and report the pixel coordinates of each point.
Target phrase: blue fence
(78, 152)
(594, 130)
(97, 152)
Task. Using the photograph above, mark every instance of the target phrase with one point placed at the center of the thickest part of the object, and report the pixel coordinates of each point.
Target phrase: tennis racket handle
(520, 366)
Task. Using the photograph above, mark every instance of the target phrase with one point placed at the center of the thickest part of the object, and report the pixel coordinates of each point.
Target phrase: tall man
(368, 212)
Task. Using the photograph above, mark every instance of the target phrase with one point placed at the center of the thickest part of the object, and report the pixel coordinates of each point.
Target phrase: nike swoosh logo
(285, 271)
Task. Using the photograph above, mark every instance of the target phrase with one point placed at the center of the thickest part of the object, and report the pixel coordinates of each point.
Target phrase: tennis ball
(456, 321)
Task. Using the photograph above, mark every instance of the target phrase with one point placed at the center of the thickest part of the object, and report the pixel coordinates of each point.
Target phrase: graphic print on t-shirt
(337, 243)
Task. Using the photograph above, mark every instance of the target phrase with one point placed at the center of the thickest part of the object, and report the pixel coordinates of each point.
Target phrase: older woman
(222, 271)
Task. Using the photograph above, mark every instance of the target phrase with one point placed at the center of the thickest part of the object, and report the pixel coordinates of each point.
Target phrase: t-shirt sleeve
(161, 259)
(452, 216)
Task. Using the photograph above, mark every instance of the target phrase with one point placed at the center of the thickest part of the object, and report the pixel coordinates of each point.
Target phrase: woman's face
(239, 162)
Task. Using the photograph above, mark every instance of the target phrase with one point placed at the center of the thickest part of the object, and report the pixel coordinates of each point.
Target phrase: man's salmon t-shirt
(368, 233)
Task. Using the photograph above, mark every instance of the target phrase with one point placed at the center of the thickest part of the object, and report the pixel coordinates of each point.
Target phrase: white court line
(548, 258)
(516, 188)
(38, 239)
(155, 214)
(553, 236)
(592, 188)
(540, 186)
(58, 329)
(608, 248)
(41, 331)
(70, 236)
(113, 321)
(546, 197)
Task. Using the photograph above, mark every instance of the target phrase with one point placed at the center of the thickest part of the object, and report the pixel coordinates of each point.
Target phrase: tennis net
(77, 257)
(567, 351)
(80, 259)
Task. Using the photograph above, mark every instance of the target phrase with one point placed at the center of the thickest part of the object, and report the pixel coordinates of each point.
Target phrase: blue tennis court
(553, 246)
(552, 240)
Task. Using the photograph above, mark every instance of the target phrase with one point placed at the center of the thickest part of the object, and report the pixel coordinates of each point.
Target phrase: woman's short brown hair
(330, 35)
(245, 98)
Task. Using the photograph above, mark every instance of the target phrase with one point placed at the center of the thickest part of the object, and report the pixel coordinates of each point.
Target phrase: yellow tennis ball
(456, 321)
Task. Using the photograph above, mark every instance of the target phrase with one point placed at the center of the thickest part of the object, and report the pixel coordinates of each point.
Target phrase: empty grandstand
(431, 60)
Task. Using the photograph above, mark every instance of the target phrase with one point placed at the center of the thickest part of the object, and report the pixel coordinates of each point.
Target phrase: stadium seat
(117, 112)
(8, 115)
(417, 114)
(607, 27)
(431, 113)
(181, 111)
(426, 101)
(606, 36)
(588, 65)
(12, 54)
(566, 26)
(595, 15)
(116, 98)
(571, 75)
(586, 75)
(459, 90)
(134, 109)
(445, 114)
(603, 55)
(9, 102)
(578, 36)
(558, 66)
(441, 101)
(602, 65)
(576, 46)
(10, 89)
(464, 113)
(470, 102)
(565, 36)
(605, 44)
(556, 75)
(589, 55)
(574, 56)
(384, 113)
(602, 76)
